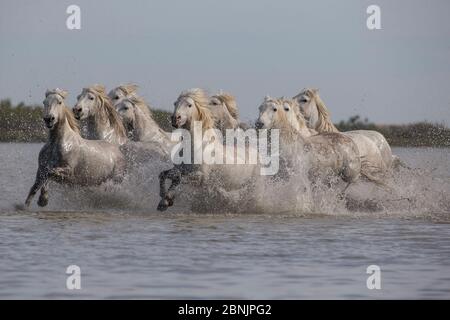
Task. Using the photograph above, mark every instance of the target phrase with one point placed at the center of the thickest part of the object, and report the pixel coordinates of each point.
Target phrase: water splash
(416, 192)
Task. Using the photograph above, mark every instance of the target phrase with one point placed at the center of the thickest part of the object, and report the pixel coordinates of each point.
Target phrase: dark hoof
(163, 205)
(42, 201)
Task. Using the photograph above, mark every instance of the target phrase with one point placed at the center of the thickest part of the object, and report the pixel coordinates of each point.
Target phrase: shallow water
(125, 249)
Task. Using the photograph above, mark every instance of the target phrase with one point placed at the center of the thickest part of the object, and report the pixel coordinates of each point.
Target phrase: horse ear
(47, 92)
(267, 98)
(315, 90)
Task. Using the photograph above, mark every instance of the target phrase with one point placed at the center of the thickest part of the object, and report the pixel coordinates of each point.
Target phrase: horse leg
(167, 196)
(41, 179)
(43, 197)
(164, 203)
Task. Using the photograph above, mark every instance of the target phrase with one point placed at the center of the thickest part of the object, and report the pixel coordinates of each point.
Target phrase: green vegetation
(163, 119)
(23, 123)
(420, 134)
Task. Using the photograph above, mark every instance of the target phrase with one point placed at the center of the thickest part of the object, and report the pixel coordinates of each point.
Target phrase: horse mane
(230, 103)
(325, 124)
(106, 111)
(140, 103)
(67, 114)
(57, 91)
(201, 100)
(296, 108)
(128, 88)
(130, 92)
(73, 123)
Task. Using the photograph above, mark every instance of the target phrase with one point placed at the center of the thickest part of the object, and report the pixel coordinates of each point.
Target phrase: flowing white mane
(324, 123)
(230, 103)
(105, 110)
(201, 101)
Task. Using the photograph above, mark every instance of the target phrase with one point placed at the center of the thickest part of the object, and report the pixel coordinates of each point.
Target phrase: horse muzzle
(49, 122)
(259, 125)
(176, 120)
(77, 112)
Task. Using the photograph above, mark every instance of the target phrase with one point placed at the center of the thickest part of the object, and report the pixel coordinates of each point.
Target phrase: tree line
(23, 123)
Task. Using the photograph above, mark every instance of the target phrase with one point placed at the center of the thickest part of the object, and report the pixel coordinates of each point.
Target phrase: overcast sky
(249, 48)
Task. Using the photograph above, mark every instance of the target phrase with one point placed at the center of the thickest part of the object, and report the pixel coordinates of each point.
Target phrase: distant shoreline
(23, 123)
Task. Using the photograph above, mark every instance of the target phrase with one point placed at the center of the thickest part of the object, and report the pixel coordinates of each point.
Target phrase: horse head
(121, 92)
(88, 102)
(191, 106)
(53, 107)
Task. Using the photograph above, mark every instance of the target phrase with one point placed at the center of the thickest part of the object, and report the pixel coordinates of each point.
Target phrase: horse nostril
(178, 117)
(48, 119)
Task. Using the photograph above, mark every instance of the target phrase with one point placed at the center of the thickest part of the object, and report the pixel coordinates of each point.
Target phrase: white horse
(193, 106)
(123, 91)
(376, 155)
(67, 157)
(140, 125)
(327, 154)
(102, 120)
(225, 110)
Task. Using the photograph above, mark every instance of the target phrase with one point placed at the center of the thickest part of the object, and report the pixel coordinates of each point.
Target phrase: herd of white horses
(90, 143)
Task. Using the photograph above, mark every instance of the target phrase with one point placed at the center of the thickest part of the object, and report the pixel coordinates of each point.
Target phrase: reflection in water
(302, 246)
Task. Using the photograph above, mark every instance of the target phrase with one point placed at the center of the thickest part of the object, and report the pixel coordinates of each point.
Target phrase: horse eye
(189, 105)
(286, 109)
(59, 102)
(117, 98)
(91, 98)
(275, 109)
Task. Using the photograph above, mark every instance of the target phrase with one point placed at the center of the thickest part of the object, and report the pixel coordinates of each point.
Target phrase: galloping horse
(225, 110)
(140, 125)
(103, 121)
(328, 153)
(191, 108)
(375, 152)
(67, 157)
(122, 91)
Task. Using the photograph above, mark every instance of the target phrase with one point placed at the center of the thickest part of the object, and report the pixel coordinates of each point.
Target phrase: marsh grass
(23, 123)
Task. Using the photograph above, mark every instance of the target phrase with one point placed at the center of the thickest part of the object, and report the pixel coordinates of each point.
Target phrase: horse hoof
(163, 205)
(42, 202)
(169, 202)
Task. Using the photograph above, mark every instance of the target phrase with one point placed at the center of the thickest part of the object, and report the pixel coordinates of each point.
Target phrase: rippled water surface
(125, 249)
